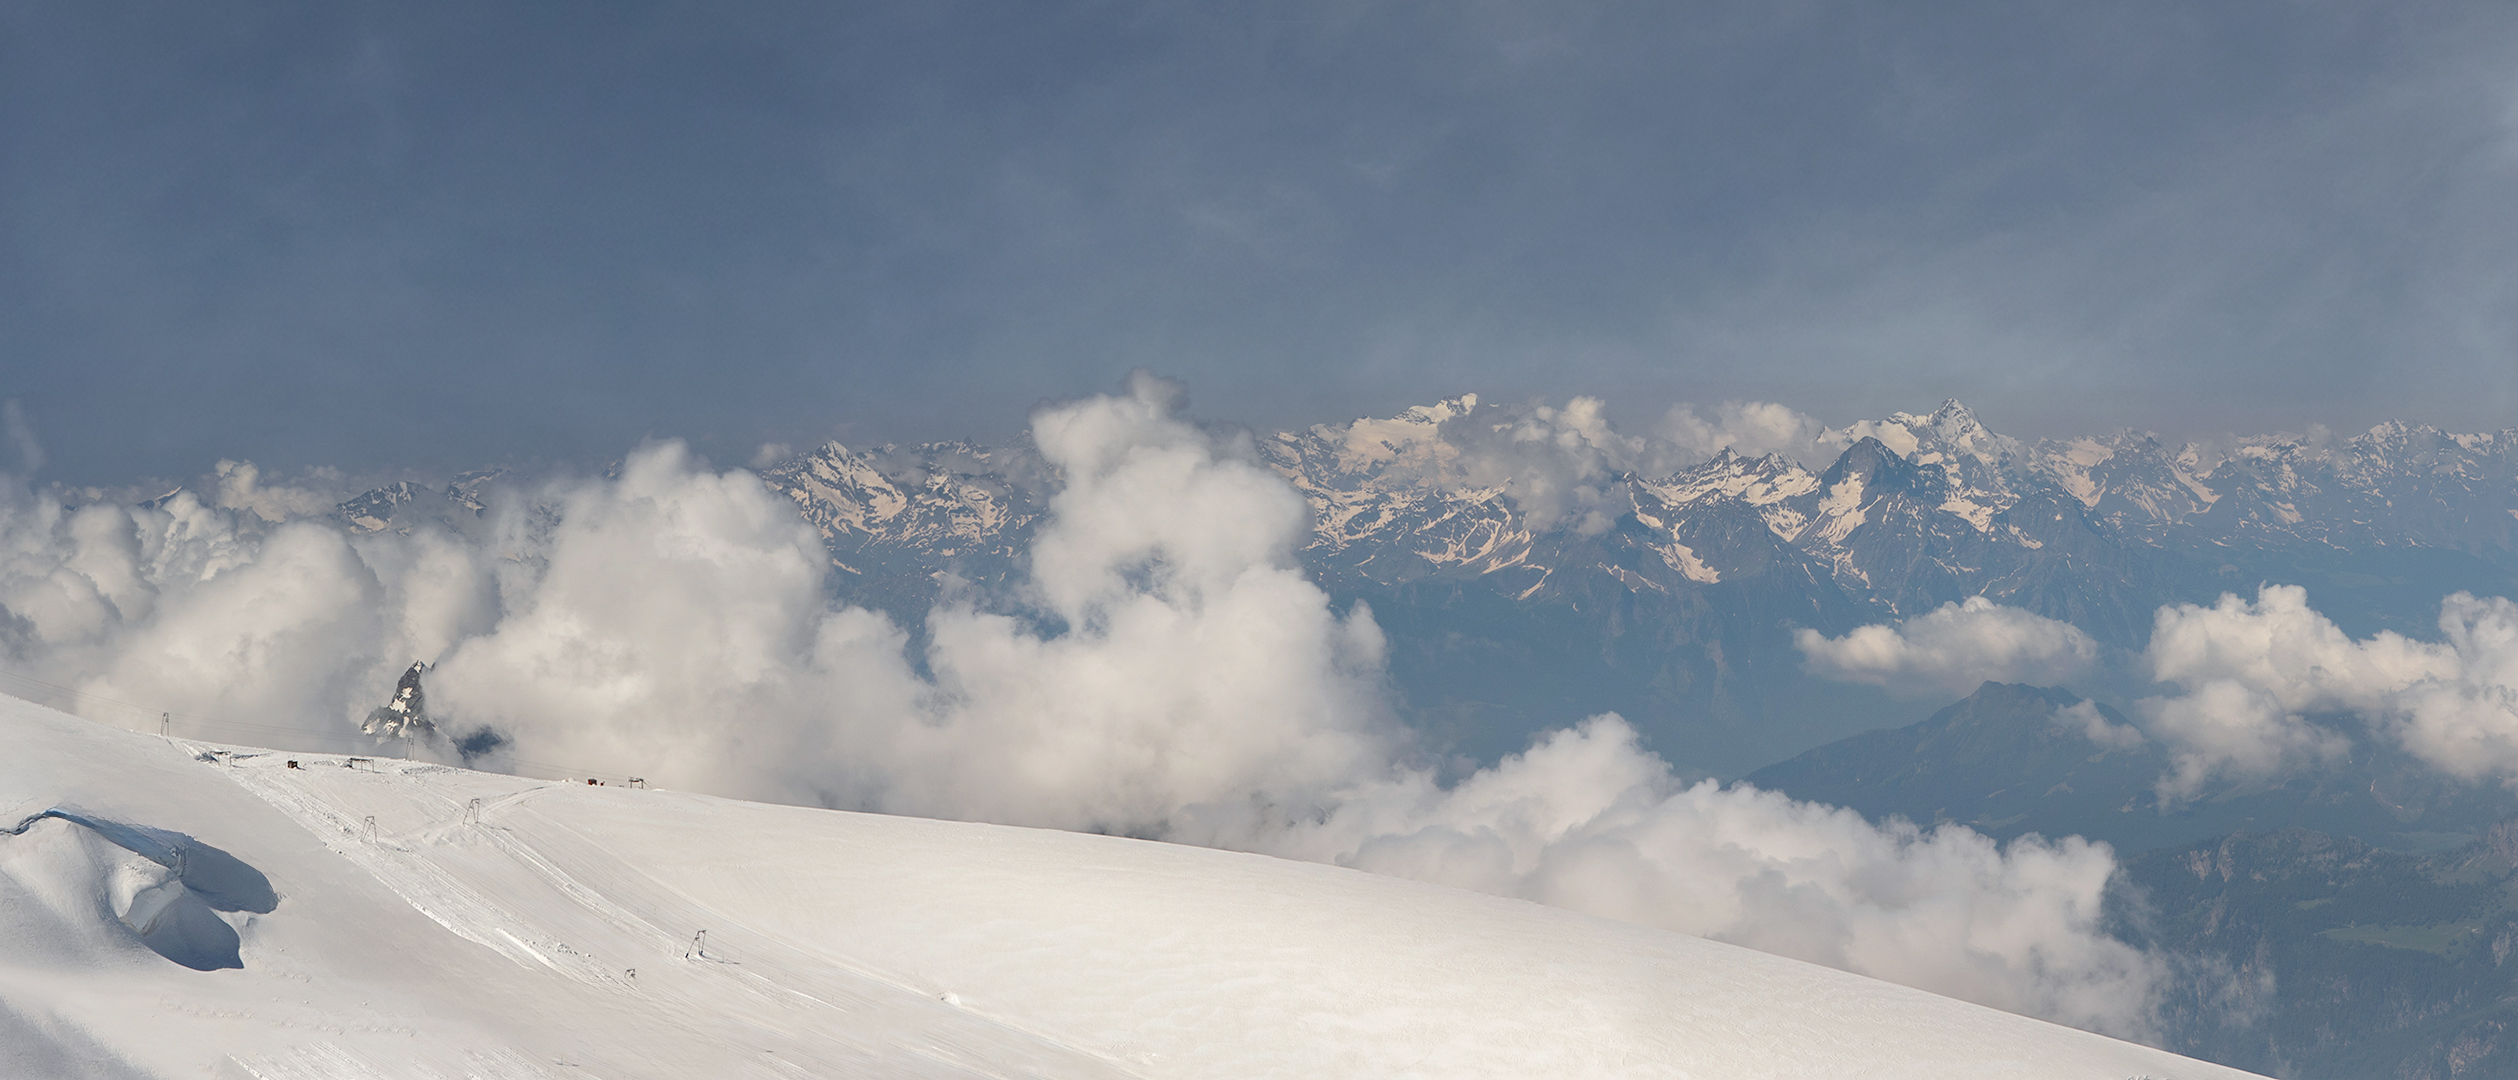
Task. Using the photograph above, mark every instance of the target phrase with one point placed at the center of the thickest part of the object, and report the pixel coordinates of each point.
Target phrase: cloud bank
(1589, 821)
(1168, 671)
(2252, 676)
(1953, 649)
(1749, 428)
(1565, 466)
(2250, 680)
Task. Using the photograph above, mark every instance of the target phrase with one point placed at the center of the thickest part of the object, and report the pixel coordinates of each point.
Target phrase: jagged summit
(1950, 431)
(405, 716)
(404, 505)
(1418, 495)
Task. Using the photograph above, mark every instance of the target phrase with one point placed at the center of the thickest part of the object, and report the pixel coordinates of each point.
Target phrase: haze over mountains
(1531, 564)
(1483, 645)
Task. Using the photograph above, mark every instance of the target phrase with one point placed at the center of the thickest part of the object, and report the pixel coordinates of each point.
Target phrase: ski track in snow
(429, 865)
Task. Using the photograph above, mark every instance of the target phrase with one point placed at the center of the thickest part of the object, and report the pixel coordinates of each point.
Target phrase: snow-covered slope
(392, 919)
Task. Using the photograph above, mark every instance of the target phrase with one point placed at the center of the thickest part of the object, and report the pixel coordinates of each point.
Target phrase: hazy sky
(445, 233)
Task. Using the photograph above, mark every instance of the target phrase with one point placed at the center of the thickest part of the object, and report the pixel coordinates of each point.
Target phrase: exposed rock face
(406, 716)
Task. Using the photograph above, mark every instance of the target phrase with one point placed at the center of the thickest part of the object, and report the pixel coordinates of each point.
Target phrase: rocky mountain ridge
(1392, 503)
(1533, 565)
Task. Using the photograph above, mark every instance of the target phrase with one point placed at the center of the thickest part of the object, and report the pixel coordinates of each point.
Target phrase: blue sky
(441, 234)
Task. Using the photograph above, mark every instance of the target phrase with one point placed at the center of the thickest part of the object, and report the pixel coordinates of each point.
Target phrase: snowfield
(178, 909)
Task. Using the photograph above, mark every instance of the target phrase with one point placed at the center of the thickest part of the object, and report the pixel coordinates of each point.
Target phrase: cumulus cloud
(1951, 650)
(2253, 676)
(239, 486)
(2279, 646)
(1751, 428)
(2467, 724)
(1166, 671)
(1589, 821)
(2251, 679)
(1559, 465)
(1564, 466)
(2250, 674)
(2225, 727)
(1899, 438)
(2083, 718)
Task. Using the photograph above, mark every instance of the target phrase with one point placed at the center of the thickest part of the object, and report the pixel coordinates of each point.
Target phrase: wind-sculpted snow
(171, 900)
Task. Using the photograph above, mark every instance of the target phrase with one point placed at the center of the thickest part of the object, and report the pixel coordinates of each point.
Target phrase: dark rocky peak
(373, 511)
(405, 715)
(404, 505)
(1880, 470)
(470, 489)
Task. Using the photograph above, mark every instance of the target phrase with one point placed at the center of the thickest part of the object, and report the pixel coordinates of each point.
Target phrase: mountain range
(1528, 571)
(1520, 593)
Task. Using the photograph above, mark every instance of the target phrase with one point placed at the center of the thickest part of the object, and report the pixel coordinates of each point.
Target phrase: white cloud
(1169, 671)
(187, 606)
(2083, 718)
(1557, 464)
(1563, 466)
(1751, 428)
(2249, 673)
(663, 623)
(2279, 646)
(2467, 724)
(1587, 820)
(2225, 727)
(240, 487)
(1953, 649)
(1200, 673)
(1899, 438)
(2251, 676)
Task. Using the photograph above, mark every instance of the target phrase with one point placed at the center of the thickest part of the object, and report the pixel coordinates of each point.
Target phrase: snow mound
(403, 920)
(171, 896)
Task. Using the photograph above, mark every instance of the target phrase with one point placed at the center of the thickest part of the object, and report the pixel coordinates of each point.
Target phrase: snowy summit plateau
(183, 909)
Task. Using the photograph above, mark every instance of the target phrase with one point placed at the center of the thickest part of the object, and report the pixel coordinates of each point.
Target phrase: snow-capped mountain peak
(1547, 505)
